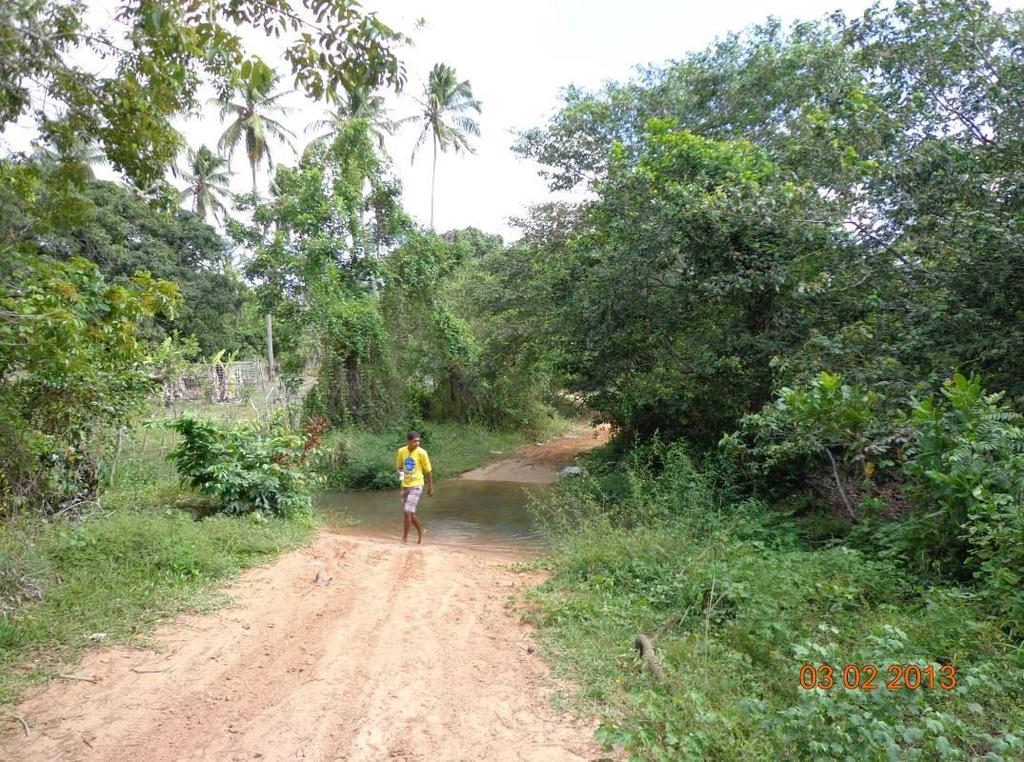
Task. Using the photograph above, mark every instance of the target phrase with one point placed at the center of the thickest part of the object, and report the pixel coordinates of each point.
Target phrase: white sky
(518, 56)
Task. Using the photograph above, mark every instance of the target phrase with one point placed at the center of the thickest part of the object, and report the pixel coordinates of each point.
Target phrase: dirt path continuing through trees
(540, 463)
(408, 653)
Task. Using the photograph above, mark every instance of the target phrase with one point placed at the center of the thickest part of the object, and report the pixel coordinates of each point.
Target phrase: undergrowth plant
(968, 470)
(736, 605)
(242, 467)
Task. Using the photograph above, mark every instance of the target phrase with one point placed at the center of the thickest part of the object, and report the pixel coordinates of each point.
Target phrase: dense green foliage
(799, 262)
(244, 468)
(873, 178)
(122, 234)
(815, 227)
(78, 348)
(390, 311)
(73, 364)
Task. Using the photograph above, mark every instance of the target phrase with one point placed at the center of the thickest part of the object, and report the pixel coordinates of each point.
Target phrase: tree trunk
(253, 166)
(433, 180)
(270, 345)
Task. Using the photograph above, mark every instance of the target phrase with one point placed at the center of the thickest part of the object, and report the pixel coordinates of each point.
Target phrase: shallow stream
(483, 515)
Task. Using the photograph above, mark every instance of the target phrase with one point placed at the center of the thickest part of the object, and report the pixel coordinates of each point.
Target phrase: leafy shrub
(243, 468)
(365, 473)
(823, 427)
(967, 466)
(956, 462)
(73, 364)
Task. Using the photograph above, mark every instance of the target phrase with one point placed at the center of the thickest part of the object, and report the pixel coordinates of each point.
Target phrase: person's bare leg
(419, 528)
(405, 527)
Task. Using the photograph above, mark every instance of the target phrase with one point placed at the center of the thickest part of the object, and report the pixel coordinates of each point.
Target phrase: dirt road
(540, 463)
(408, 653)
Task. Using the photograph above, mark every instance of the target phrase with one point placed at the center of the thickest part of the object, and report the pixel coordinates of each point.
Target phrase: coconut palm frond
(445, 101)
(252, 121)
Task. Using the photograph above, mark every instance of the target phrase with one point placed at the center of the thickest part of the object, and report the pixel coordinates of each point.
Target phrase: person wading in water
(412, 463)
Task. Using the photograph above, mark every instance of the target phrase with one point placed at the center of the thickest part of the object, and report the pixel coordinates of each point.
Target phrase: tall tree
(257, 100)
(358, 105)
(207, 179)
(445, 104)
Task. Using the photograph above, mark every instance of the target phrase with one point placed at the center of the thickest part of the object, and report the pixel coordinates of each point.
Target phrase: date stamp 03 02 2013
(866, 677)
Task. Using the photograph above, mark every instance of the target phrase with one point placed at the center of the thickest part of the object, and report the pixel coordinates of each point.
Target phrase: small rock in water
(571, 471)
(321, 580)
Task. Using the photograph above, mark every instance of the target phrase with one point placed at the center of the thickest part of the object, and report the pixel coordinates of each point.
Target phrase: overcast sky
(517, 56)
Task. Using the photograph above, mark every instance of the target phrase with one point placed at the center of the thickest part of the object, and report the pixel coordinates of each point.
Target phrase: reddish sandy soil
(409, 653)
(540, 463)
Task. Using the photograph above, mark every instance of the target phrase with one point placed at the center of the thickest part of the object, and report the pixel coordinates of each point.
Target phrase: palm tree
(84, 153)
(443, 115)
(359, 105)
(207, 178)
(252, 121)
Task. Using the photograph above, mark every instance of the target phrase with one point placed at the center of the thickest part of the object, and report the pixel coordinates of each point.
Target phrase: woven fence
(219, 382)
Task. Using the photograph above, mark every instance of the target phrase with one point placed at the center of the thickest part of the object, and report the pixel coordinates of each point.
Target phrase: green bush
(948, 473)
(967, 467)
(73, 365)
(244, 469)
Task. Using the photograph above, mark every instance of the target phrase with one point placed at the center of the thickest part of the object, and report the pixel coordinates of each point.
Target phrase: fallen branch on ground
(83, 678)
(24, 725)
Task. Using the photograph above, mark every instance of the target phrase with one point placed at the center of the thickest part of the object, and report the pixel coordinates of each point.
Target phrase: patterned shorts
(410, 497)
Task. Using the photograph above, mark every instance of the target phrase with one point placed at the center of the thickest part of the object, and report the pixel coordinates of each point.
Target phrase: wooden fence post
(270, 344)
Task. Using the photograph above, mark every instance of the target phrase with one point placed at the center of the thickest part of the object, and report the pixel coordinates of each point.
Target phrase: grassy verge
(739, 605)
(365, 460)
(113, 577)
(139, 558)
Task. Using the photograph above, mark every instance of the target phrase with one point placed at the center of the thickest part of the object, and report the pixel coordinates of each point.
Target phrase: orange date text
(868, 677)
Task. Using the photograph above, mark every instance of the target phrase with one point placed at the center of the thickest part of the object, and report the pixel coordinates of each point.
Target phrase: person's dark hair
(413, 435)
